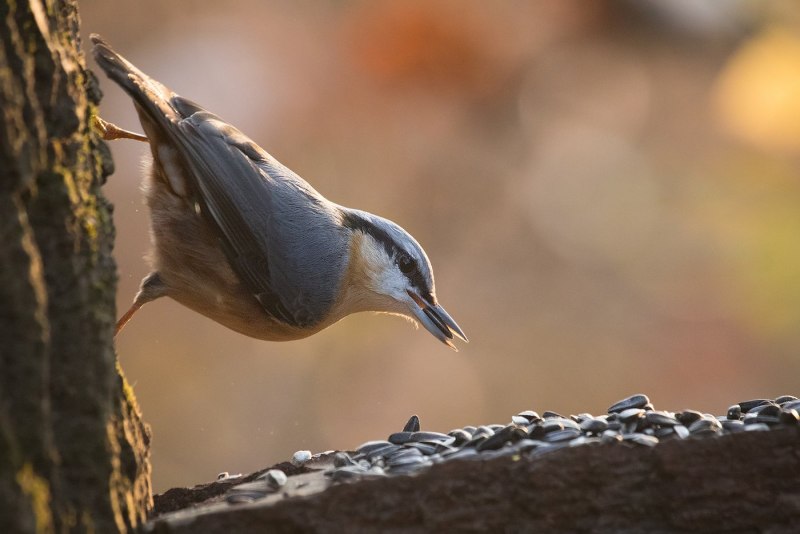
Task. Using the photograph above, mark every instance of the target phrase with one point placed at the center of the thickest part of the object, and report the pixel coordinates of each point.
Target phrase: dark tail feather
(152, 97)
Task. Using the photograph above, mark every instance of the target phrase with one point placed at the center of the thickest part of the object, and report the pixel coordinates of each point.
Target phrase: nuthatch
(245, 241)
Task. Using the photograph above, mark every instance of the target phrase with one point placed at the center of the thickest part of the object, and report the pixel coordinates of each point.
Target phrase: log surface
(741, 483)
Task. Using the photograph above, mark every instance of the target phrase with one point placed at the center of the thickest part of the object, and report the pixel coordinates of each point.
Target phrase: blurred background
(609, 192)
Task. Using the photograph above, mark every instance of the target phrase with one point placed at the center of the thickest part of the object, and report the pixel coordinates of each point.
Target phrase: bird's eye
(406, 264)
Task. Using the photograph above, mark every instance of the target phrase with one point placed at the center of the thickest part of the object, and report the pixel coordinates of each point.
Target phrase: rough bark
(740, 483)
(73, 449)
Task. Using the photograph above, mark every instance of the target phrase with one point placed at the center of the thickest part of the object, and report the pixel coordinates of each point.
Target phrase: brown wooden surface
(742, 483)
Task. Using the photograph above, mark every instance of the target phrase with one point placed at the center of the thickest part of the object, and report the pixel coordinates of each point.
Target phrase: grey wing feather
(258, 206)
(280, 235)
(233, 193)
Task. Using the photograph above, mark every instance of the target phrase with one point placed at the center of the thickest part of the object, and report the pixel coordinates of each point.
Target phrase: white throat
(373, 281)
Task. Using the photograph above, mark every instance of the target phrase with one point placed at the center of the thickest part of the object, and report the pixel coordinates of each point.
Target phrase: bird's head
(389, 272)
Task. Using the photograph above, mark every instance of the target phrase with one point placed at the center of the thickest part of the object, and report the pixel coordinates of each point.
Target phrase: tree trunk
(73, 450)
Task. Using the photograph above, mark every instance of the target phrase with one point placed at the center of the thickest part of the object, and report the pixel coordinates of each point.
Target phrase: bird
(241, 239)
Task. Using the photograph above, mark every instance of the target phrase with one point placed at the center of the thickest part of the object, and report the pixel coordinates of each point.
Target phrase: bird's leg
(109, 131)
(152, 287)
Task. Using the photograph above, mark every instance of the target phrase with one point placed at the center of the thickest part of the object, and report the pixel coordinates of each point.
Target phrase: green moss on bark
(73, 449)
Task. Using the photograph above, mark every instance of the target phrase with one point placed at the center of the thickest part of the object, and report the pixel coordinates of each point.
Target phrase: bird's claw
(109, 131)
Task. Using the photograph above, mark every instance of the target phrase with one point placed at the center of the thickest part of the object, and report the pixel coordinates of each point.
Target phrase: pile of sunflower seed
(632, 420)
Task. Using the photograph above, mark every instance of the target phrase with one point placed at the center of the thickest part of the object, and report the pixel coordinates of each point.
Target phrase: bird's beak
(436, 321)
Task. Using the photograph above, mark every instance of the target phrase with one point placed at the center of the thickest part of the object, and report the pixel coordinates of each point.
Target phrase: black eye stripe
(357, 223)
(414, 274)
(409, 267)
